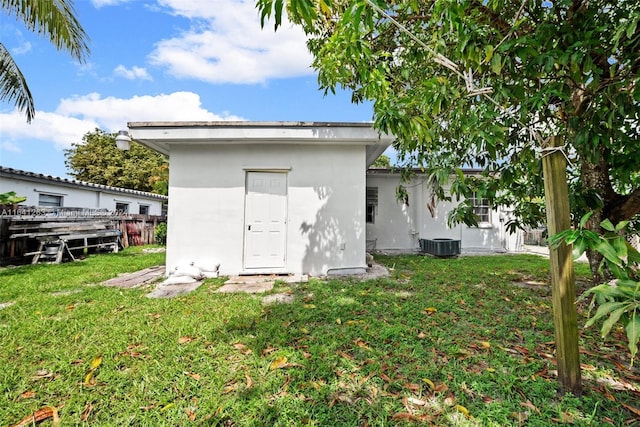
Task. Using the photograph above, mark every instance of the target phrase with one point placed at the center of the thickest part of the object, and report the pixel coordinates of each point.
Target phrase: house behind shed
(266, 197)
(394, 225)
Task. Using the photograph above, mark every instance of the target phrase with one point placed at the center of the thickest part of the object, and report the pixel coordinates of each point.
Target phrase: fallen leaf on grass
(385, 377)
(362, 344)
(413, 387)
(278, 363)
(190, 414)
(86, 412)
(565, 418)
(404, 416)
(440, 388)
(632, 409)
(485, 344)
(28, 394)
(249, 380)
(167, 406)
(345, 355)
(462, 410)
(530, 405)
(268, 350)
(243, 348)
(281, 363)
(95, 364)
(430, 383)
(185, 340)
(422, 335)
(230, 388)
(193, 375)
(416, 402)
(39, 416)
(430, 310)
(309, 305)
(41, 373)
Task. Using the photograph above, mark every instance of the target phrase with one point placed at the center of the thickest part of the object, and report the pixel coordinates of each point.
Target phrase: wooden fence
(23, 229)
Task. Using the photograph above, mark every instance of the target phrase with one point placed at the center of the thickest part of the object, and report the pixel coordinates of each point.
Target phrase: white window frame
(371, 205)
(482, 209)
(119, 207)
(58, 197)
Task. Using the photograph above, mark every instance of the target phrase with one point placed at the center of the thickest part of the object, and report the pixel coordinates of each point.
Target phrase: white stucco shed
(266, 197)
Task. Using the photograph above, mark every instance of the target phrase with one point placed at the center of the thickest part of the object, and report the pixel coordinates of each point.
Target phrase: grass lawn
(466, 341)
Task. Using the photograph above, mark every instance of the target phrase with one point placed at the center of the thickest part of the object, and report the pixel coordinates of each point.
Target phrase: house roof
(417, 171)
(159, 136)
(49, 179)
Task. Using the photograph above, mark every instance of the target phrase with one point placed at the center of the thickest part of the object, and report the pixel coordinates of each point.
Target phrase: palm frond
(52, 19)
(13, 86)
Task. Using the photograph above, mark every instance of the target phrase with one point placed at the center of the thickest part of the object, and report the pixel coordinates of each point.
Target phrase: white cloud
(10, 146)
(226, 45)
(25, 47)
(133, 73)
(78, 115)
(59, 129)
(99, 3)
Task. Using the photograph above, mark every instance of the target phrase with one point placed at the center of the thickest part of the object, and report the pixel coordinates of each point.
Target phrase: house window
(372, 204)
(49, 200)
(144, 210)
(481, 208)
(122, 207)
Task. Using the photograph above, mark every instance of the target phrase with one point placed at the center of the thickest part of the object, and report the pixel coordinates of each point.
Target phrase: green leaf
(620, 246)
(633, 334)
(608, 251)
(585, 218)
(605, 309)
(604, 291)
(579, 246)
(607, 225)
(629, 287)
(621, 225)
(488, 50)
(614, 316)
(496, 63)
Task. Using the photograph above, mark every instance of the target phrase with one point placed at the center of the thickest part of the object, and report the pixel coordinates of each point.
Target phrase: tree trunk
(595, 176)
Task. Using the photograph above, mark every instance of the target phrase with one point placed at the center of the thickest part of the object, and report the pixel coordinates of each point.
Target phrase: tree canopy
(96, 159)
(486, 83)
(52, 19)
(383, 161)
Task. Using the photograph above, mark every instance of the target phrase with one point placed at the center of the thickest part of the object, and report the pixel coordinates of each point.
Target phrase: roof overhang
(160, 136)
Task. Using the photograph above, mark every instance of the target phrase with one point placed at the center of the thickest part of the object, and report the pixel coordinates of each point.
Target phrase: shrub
(161, 233)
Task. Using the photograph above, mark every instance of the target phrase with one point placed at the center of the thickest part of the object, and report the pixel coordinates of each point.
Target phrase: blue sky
(157, 60)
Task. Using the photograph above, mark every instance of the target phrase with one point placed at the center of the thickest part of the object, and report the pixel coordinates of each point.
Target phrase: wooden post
(554, 168)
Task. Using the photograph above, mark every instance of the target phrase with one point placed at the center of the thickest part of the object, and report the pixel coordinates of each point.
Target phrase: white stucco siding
(325, 200)
(395, 225)
(399, 226)
(75, 196)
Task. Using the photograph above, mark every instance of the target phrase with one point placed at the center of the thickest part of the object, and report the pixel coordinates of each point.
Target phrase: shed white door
(265, 219)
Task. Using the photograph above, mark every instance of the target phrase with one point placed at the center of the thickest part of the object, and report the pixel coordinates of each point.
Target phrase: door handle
(249, 228)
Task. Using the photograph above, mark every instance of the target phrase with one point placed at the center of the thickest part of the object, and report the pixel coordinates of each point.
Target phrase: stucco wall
(325, 211)
(77, 197)
(399, 226)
